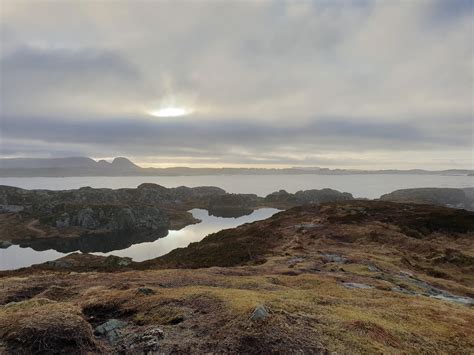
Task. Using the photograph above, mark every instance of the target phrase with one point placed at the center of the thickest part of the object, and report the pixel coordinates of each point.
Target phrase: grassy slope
(285, 266)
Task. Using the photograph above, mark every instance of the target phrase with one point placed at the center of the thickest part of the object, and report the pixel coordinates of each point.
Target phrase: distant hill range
(83, 166)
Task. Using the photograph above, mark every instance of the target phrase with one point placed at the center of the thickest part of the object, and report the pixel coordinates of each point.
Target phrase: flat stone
(356, 285)
(467, 301)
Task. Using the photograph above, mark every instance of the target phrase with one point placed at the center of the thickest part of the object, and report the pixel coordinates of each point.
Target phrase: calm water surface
(369, 186)
(15, 257)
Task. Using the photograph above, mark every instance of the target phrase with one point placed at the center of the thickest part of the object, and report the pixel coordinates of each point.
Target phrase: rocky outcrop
(109, 217)
(449, 197)
(151, 194)
(283, 198)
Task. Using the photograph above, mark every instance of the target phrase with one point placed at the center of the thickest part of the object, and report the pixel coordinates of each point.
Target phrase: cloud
(266, 78)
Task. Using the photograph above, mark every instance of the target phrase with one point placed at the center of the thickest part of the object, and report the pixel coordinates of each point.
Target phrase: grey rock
(373, 268)
(431, 291)
(85, 219)
(334, 258)
(110, 330)
(259, 313)
(295, 260)
(402, 290)
(467, 301)
(355, 285)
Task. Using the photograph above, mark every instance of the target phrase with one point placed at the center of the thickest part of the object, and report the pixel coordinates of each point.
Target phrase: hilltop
(345, 277)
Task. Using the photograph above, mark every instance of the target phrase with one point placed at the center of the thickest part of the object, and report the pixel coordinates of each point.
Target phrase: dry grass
(45, 326)
(207, 309)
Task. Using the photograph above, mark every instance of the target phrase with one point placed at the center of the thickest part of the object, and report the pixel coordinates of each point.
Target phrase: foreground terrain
(345, 277)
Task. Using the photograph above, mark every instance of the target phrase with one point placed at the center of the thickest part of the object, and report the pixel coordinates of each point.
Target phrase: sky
(340, 84)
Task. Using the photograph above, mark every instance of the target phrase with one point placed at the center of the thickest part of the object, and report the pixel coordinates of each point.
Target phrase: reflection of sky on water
(15, 257)
(189, 234)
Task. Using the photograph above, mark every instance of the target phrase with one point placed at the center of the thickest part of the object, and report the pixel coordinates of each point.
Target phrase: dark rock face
(108, 217)
(448, 197)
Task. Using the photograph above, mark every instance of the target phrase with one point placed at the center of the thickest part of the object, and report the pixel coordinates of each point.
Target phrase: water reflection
(93, 243)
(139, 248)
(193, 233)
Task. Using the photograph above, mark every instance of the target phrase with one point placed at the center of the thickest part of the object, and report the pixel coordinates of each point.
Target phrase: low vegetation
(345, 277)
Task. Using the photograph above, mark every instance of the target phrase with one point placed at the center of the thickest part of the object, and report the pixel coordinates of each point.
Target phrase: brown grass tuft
(44, 326)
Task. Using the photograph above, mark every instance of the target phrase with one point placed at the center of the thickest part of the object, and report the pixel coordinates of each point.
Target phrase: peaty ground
(347, 277)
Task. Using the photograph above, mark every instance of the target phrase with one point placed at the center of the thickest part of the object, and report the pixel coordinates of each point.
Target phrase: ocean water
(369, 186)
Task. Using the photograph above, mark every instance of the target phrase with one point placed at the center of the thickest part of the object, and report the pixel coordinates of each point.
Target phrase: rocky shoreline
(60, 220)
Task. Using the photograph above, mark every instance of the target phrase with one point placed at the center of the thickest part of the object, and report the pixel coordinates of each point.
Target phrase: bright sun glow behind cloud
(170, 112)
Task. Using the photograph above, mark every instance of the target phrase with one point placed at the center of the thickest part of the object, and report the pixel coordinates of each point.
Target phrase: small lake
(16, 257)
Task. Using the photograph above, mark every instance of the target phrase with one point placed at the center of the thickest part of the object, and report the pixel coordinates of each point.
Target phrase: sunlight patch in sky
(170, 112)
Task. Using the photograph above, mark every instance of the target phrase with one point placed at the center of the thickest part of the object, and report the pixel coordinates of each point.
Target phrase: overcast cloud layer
(365, 84)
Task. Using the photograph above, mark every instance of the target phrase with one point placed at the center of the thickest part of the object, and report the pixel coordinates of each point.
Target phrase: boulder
(260, 313)
(110, 330)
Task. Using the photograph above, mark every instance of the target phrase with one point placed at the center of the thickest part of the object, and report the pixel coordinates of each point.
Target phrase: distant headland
(120, 166)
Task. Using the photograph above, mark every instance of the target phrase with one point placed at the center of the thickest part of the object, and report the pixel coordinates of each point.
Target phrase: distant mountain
(120, 166)
(74, 166)
(124, 163)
